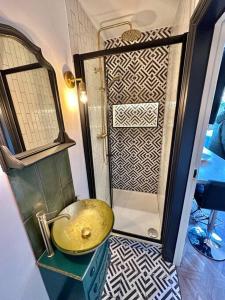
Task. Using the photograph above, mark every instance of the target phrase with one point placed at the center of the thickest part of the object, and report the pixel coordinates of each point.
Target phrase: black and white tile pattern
(138, 272)
(135, 115)
(136, 152)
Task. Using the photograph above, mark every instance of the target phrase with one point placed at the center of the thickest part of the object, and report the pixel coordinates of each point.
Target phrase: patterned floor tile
(138, 272)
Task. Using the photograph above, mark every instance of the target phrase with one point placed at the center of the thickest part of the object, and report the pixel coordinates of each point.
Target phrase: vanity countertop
(69, 265)
(72, 266)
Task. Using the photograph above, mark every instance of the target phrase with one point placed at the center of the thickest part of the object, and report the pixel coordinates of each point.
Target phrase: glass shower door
(97, 102)
(132, 100)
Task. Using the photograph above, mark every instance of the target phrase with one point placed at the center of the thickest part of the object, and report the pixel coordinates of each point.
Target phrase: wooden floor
(201, 278)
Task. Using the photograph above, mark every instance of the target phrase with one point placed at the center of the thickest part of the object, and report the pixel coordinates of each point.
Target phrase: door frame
(198, 47)
(80, 72)
(213, 68)
(199, 42)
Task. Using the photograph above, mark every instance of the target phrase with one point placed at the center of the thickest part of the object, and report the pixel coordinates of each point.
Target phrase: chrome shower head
(131, 35)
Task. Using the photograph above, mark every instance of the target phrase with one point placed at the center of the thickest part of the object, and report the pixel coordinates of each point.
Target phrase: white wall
(19, 276)
(45, 23)
(183, 15)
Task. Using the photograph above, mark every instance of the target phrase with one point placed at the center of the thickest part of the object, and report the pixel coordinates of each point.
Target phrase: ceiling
(144, 14)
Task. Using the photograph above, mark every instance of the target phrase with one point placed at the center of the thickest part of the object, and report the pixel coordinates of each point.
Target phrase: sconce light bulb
(83, 97)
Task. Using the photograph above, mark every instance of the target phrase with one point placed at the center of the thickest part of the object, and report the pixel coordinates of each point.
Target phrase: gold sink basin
(90, 223)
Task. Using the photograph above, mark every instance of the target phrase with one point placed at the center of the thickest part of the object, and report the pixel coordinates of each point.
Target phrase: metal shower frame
(80, 72)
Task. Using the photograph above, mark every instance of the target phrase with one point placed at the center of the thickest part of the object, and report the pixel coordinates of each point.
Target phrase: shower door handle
(195, 173)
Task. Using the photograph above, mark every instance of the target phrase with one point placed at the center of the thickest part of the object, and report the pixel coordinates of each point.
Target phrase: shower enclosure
(128, 126)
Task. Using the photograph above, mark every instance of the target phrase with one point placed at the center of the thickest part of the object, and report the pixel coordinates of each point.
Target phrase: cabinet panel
(64, 285)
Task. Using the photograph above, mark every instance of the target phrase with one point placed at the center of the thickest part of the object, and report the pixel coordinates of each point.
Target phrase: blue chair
(210, 195)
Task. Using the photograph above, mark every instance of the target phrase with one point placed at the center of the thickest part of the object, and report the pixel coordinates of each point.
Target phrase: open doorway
(202, 269)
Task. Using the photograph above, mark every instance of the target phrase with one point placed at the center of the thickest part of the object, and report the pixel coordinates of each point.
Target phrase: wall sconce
(82, 91)
(70, 82)
(69, 79)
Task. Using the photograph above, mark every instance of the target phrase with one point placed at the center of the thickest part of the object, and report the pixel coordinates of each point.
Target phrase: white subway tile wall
(83, 34)
(31, 94)
(34, 105)
(97, 103)
(83, 38)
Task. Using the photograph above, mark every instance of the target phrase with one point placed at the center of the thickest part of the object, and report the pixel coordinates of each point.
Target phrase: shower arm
(110, 27)
(106, 28)
(99, 36)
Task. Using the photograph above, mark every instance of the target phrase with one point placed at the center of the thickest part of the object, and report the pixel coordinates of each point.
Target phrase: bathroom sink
(90, 223)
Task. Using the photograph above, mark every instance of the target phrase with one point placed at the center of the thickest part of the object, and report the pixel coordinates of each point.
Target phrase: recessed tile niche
(136, 115)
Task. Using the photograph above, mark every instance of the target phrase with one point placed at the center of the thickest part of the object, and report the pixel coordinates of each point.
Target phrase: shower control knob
(109, 154)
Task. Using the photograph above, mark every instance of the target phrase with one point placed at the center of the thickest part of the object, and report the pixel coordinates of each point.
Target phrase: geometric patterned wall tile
(135, 115)
(136, 152)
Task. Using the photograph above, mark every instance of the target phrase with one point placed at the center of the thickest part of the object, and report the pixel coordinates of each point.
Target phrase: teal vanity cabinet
(68, 277)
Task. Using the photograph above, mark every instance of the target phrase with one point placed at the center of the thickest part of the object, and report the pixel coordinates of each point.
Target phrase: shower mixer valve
(102, 135)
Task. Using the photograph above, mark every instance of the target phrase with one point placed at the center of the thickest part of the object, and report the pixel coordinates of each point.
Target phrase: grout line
(60, 182)
(27, 219)
(41, 184)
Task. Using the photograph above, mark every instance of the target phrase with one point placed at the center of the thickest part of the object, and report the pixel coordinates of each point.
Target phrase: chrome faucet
(43, 224)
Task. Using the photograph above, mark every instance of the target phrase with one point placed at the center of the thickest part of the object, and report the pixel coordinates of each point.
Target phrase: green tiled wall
(46, 185)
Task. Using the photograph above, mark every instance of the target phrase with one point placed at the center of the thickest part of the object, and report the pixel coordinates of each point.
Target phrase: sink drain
(152, 233)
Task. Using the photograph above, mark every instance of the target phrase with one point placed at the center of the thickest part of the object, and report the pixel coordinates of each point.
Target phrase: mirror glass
(14, 54)
(27, 97)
